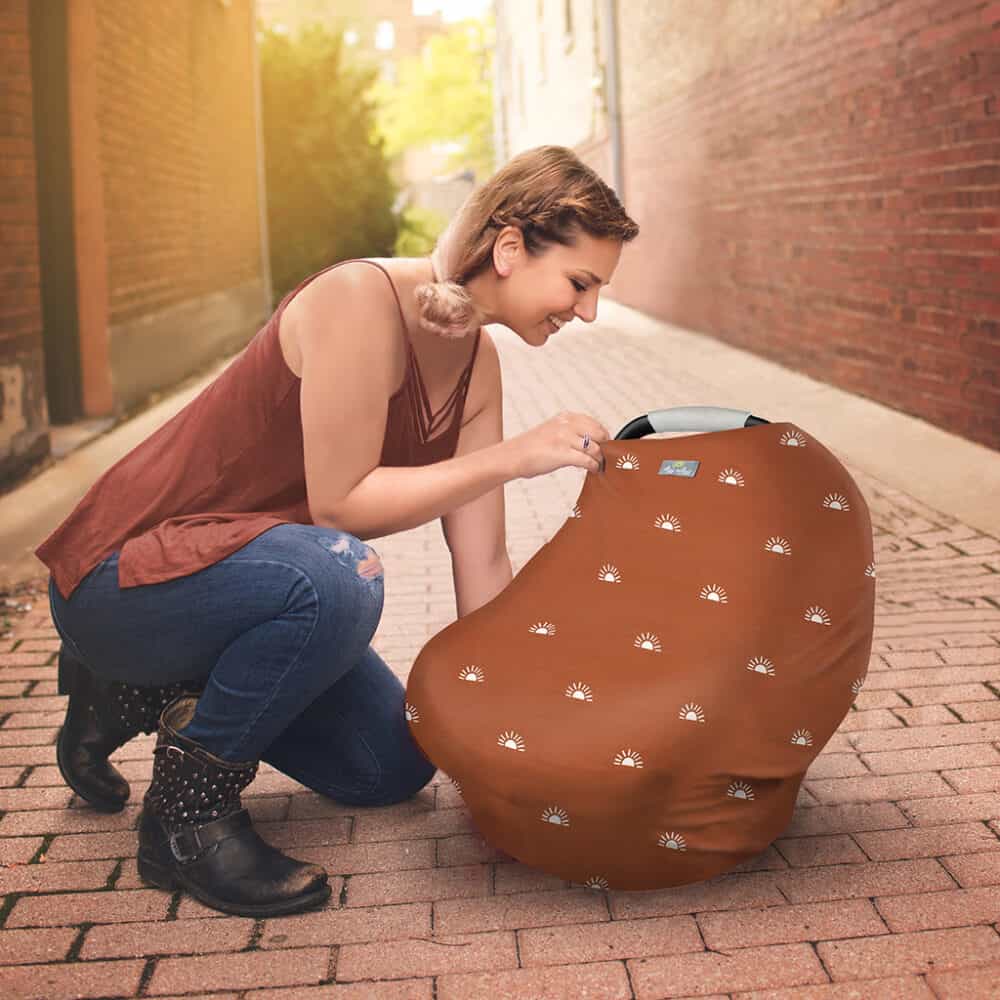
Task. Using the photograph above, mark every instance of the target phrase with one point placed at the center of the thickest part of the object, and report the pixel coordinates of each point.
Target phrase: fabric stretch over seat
(637, 709)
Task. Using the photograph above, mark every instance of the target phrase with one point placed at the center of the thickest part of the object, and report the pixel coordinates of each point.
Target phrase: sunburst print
(793, 439)
(596, 882)
(782, 546)
(761, 665)
(713, 592)
(836, 501)
(667, 522)
(576, 512)
(817, 614)
(647, 640)
(870, 570)
(542, 628)
(674, 841)
(731, 477)
(691, 713)
(473, 673)
(609, 574)
(411, 713)
(627, 461)
(856, 685)
(555, 816)
(579, 691)
(511, 741)
(802, 738)
(628, 758)
(740, 790)
(457, 785)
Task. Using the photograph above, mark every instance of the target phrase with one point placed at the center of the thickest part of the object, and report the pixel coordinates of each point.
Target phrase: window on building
(540, 26)
(385, 35)
(520, 88)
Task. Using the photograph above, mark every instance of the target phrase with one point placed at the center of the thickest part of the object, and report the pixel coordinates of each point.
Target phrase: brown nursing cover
(638, 708)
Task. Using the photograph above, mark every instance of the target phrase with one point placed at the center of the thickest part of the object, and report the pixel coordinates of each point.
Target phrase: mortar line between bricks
(8, 904)
(147, 974)
(73, 955)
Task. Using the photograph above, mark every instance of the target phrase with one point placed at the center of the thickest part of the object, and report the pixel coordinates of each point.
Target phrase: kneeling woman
(214, 585)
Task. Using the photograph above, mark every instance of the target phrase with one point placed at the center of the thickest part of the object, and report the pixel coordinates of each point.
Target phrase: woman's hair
(550, 195)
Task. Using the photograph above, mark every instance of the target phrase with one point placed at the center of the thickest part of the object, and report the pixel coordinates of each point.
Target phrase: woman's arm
(478, 585)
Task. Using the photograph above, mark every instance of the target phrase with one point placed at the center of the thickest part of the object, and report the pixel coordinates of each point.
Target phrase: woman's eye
(578, 286)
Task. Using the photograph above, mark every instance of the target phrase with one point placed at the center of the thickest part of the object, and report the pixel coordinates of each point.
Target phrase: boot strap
(189, 842)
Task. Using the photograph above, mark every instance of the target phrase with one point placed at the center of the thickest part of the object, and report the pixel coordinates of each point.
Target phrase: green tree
(330, 194)
(444, 95)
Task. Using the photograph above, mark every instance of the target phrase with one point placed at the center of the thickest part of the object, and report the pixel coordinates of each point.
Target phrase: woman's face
(535, 295)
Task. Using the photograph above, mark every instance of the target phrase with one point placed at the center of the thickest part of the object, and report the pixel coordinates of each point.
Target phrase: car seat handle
(689, 418)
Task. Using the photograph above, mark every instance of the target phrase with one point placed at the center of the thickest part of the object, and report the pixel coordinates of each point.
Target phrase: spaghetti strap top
(229, 466)
(422, 421)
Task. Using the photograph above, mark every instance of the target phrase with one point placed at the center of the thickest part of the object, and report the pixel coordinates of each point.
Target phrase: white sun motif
(731, 477)
(576, 512)
(761, 665)
(778, 544)
(457, 784)
(672, 840)
(596, 882)
(836, 501)
(691, 713)
(713, 592)
(628, 758)
(647, 640)
(411, 713)
(472, 673)
(740, 790)
(579, 691)
(609, 574)
(792, 439)
(542, 628)
(511, 741)
(555, 816)
(817, 614)
(856, 685)
(667, 522)
(802, 738)
(627, 461)
(870, 570)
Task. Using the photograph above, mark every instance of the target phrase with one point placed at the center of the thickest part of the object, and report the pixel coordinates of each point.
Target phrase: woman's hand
(559, 442)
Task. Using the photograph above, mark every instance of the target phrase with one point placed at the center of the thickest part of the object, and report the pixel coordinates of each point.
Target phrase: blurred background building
(817, 181)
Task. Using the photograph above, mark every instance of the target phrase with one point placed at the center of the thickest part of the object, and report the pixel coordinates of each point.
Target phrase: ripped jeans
(280, 633)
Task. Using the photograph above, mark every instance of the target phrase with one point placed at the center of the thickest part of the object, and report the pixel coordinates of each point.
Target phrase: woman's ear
(506, 249)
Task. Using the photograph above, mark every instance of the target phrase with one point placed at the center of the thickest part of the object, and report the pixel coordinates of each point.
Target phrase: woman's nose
(587, 309)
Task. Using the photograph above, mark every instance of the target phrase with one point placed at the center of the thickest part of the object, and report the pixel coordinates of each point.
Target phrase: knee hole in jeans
(369, 568)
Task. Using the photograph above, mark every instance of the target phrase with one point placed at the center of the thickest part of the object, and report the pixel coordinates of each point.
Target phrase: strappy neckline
(425, 421)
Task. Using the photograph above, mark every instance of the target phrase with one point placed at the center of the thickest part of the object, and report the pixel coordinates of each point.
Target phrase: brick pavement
(885, 884)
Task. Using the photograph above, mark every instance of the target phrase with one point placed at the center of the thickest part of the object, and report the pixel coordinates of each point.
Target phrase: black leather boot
(102, 716)
(195, 835)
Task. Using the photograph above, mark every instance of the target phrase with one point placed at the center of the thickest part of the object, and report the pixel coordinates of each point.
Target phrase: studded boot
(195, 835)
(101, 716)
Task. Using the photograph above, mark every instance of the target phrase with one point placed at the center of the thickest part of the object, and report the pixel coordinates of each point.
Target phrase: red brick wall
(177, 152)
(23, 434)
(818, 182)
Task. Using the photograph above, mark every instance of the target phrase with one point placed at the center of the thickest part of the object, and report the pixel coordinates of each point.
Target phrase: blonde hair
(550, 195)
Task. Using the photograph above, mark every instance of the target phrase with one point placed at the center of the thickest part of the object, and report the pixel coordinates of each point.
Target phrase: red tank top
(193, 492)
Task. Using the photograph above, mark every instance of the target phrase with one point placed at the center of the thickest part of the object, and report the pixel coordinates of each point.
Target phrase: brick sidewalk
(885, 884)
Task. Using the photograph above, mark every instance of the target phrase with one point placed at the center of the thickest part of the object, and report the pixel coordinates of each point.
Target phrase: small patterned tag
(679, 467)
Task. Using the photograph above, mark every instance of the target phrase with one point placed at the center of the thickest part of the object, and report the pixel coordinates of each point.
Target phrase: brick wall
(818, 181)
(177, 152)
(23, 434)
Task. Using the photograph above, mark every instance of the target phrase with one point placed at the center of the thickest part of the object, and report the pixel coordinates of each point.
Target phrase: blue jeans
(280, 633)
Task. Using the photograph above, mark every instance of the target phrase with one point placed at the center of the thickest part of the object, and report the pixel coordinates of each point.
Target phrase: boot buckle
(175, 849)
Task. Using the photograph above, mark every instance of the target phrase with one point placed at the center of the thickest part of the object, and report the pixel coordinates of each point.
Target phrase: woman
(214, 584)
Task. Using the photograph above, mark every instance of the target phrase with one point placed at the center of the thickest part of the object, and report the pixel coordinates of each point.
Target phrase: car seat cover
(637, 709)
